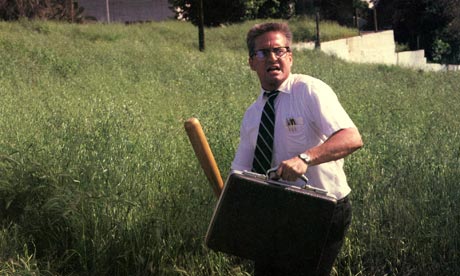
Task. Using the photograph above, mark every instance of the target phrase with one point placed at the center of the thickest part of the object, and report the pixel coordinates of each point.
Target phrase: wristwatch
(305, 157)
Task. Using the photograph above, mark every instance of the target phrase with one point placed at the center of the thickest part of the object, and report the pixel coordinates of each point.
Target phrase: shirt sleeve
(327, 113)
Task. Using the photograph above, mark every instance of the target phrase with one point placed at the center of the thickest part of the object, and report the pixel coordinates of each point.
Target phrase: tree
(341, 11)
(43, 9)
(231, 11)
(432, 25)
(449, 31)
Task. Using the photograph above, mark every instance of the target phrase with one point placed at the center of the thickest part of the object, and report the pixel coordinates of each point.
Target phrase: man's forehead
(270, 40)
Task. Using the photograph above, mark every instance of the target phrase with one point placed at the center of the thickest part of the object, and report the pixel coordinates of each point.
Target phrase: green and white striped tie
(264, 146)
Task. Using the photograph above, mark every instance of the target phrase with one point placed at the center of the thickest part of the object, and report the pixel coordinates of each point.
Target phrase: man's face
(271, 70)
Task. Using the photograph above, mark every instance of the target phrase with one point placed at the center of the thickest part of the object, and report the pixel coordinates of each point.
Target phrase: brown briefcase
(260, 218)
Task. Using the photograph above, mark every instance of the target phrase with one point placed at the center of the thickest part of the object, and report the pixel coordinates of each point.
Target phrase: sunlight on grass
(97, 175)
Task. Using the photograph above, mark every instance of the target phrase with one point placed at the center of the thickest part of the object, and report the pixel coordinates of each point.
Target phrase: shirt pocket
(295, 132)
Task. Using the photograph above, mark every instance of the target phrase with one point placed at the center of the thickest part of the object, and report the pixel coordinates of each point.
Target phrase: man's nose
(271, 55)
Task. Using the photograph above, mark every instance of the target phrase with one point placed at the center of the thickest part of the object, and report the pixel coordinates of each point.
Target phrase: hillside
(97, 176)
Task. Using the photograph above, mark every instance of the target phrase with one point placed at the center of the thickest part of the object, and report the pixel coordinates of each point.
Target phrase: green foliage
(423, 24)
(97, 176)
(341, 11)
(23, 264)
(440, 50)
(401, 47)
(48, 9)
(304, 29)
(223, 12)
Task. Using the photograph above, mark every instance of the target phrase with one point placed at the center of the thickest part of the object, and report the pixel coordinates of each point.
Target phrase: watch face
(305, 157)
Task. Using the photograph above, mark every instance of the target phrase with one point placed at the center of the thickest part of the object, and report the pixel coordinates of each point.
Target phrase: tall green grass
(97, 176)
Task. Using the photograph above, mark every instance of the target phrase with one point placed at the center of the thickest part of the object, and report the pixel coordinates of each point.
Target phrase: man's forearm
(337, 146)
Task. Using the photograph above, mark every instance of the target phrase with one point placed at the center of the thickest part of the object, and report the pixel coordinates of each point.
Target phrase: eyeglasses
(264, 53)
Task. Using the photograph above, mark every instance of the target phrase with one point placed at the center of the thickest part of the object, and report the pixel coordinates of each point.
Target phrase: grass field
(97, 176)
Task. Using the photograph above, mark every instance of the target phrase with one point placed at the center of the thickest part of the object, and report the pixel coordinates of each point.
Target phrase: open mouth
(273, 68)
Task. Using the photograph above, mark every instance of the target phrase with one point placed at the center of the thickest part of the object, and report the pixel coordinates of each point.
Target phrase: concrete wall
(368, 48)
(417, 60)
(127, 10)
(376, 48)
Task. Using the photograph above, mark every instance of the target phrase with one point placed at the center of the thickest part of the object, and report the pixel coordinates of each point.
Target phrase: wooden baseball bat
(204, 154)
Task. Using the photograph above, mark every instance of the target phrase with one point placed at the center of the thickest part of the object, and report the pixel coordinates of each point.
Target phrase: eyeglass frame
(264, 53)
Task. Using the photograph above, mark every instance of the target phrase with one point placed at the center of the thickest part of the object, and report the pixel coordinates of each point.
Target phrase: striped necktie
(264, 146)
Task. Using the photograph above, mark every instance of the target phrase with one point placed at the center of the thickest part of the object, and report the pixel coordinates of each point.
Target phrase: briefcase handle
(271, 174)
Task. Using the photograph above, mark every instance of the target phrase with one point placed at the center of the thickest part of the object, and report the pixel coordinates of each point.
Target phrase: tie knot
(269, 94)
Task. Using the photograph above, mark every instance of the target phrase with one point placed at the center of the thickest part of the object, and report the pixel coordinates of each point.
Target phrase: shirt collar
(285, 87)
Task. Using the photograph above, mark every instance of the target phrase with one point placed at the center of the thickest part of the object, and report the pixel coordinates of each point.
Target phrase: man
(312, 134)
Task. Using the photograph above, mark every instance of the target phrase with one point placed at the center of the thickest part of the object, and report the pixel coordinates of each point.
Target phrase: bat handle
(204, 154)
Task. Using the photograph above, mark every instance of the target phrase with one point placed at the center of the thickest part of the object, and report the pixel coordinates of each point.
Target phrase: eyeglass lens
(264, 53)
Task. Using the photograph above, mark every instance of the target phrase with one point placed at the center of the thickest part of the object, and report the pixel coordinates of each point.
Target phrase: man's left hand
(292, 169)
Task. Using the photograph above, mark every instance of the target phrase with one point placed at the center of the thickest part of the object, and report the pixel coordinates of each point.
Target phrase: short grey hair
(260, 29)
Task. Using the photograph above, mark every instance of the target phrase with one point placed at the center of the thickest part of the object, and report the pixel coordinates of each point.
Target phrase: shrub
(45, 9)
(223, 12)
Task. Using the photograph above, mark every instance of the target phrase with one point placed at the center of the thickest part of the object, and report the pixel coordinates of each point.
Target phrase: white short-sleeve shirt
(307, 113)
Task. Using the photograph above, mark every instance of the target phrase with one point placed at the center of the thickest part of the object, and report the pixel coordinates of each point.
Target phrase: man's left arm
(338, 145)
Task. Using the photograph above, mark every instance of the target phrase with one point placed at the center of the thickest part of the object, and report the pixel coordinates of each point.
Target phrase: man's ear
(251, 63)
(291, 58)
